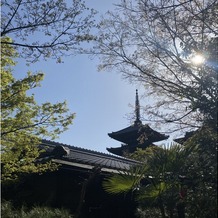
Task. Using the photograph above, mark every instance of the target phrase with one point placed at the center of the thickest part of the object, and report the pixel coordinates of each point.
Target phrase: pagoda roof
(127, 149)
(135, 136)
(138, 134)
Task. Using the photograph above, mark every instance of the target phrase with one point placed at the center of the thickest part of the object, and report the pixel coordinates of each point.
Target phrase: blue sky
(101, 100)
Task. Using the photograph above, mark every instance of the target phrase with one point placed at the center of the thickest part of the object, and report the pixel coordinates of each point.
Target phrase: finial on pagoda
(137, 109)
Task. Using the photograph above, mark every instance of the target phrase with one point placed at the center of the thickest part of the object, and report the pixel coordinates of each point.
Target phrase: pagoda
(135, 136)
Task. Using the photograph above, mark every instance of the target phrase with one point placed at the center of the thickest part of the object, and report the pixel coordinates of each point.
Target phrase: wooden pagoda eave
(128, 148)
(132, 133)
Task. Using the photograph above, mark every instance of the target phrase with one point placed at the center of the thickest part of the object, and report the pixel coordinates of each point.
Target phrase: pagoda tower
(135, 136)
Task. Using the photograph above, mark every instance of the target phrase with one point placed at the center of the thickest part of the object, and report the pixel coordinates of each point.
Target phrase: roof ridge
(97, 153)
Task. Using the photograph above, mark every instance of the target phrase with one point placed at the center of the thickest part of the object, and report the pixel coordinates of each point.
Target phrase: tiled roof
(88, 159)
(132, 133)
(128, 148)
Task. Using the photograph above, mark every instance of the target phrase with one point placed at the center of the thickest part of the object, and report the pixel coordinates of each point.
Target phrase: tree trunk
(181, 210)
(162, 210)
(83, 190)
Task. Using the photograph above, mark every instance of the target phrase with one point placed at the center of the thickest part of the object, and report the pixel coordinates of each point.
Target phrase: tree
(171, 48)
(59, 27)
(179, 180)
(157, 182)
(24, 122)
(201, 170)
(155, 43)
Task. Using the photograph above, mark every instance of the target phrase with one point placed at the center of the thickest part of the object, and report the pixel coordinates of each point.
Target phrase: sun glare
(197, 59)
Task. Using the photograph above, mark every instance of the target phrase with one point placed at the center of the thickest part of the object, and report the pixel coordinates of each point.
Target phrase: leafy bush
(8, 211)
(148, 212)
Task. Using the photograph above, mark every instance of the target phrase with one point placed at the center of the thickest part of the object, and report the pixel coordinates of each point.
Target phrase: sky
(102, 101)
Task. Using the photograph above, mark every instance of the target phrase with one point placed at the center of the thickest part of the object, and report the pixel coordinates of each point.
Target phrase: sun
(198, 59)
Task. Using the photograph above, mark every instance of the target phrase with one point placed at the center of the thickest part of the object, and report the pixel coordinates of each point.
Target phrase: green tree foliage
(23, 121)
(201, 172)
(59, 27)
(156, 182)
(154, 43)
(125, 181)
(179, 180)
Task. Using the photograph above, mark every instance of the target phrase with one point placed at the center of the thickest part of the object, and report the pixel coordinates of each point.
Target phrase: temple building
(135, 136)
(76, 185)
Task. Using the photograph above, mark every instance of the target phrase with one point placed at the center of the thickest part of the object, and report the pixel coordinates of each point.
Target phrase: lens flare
(197, 59)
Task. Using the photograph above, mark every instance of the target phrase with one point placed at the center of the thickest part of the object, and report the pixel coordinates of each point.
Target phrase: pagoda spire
(137, 109)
